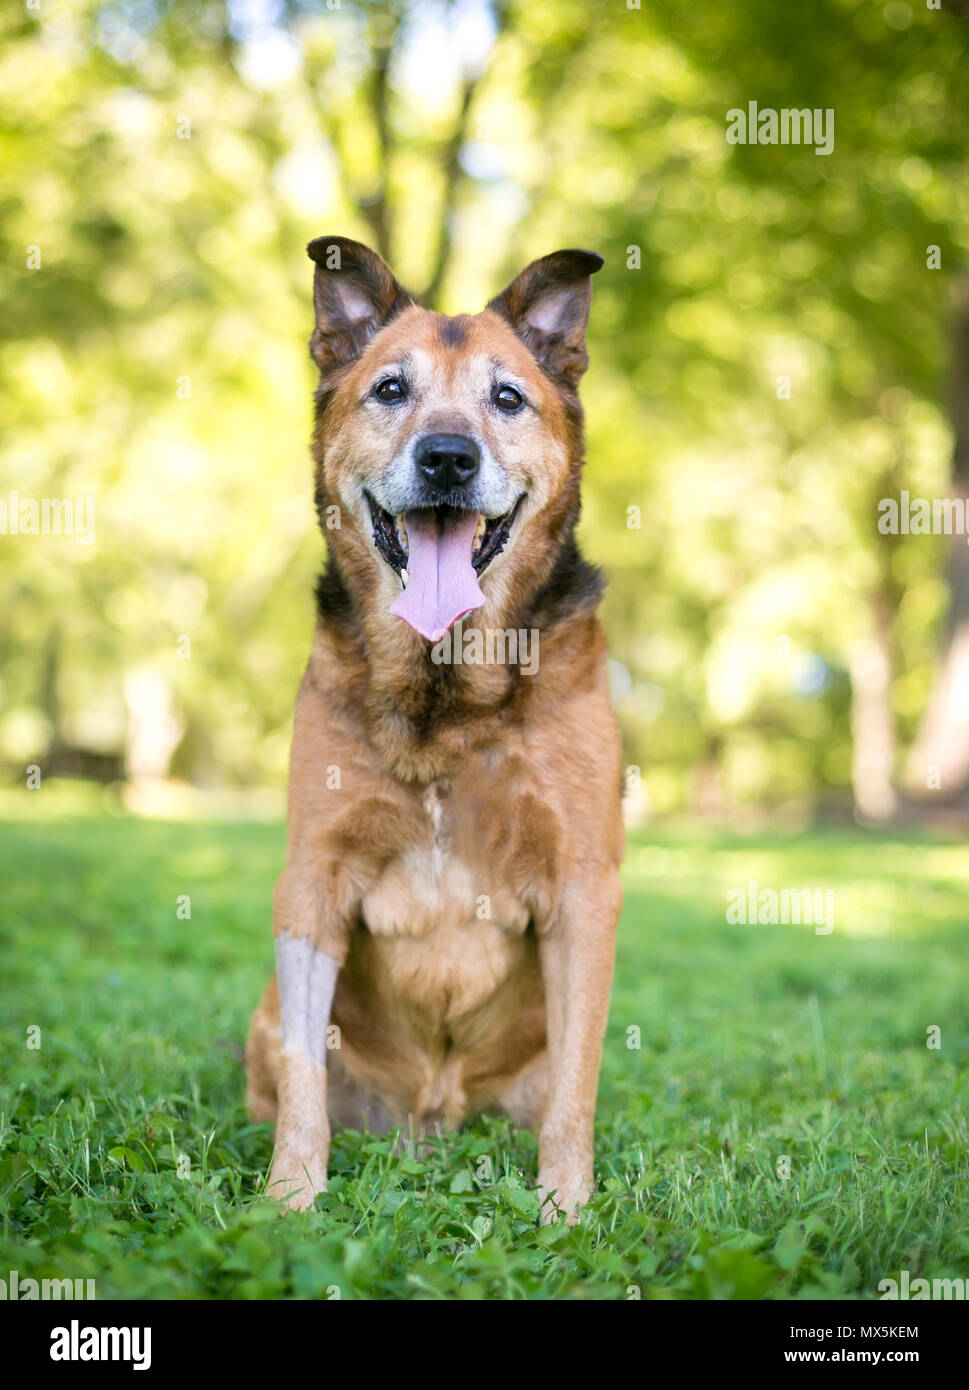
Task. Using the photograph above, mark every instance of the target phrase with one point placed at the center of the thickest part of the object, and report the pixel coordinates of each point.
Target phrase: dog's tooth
(479, 530)
(404, 576)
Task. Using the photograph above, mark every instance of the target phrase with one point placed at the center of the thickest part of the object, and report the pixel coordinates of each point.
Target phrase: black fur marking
(438, 700)
(574, 585)
(321, 504)
(333, 602)
(453, 331)
(321, 399)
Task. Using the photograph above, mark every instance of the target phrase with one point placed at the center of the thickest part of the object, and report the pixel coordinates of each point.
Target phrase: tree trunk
(939, 763)
(872, 724)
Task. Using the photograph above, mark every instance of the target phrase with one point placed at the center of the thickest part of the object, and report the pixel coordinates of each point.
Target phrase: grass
(126, 1154)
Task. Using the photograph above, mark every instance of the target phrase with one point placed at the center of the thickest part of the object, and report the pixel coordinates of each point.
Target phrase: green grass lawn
(126, 1154)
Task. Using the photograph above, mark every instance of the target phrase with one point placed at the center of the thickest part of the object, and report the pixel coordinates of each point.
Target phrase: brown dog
(445, 922)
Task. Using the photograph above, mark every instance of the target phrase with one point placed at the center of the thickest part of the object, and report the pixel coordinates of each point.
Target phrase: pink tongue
(441, 583)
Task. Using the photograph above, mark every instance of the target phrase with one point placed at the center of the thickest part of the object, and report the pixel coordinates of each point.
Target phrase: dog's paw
(561, 1196)
(295, 1180)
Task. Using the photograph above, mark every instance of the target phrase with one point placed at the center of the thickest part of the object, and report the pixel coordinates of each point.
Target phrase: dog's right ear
(548, 306)
(354, 295)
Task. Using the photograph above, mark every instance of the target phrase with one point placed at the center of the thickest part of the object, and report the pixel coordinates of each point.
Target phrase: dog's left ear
(548, 307)
(354, 295)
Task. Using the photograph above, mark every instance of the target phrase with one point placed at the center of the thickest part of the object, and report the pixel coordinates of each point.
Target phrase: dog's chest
(454, 876)
(448, 917)
(448, 911)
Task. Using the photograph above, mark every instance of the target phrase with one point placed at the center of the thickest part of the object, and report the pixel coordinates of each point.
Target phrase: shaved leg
(307, 979)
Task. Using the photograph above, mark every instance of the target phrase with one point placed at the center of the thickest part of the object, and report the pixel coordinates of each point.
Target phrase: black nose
(447, 460)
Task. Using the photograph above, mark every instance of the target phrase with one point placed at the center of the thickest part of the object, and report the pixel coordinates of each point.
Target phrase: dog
(445, 921)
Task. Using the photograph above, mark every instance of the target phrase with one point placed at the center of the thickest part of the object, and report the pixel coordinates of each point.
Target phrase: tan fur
(465, 872)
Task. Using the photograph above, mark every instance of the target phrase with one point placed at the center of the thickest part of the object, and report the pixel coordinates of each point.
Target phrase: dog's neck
(424, 715)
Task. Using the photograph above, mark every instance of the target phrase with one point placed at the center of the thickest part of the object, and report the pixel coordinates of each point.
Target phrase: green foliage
(756, 1042)
(757, 565)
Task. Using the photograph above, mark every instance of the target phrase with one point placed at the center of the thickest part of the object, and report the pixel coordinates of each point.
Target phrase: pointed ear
(354, 295)
(548, 307)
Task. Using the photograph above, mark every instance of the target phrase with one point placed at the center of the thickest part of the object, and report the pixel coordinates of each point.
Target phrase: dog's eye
(508, 399)
(391, 389)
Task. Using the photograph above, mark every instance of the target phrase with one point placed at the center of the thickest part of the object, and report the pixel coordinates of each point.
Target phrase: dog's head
(450, 447)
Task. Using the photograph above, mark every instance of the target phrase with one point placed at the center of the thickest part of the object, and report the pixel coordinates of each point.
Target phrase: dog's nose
(447, 460)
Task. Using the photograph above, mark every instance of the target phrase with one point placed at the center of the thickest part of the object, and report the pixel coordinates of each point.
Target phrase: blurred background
(779, 340)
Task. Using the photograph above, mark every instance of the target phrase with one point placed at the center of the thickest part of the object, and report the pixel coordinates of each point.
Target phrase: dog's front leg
(577, 952)
(307, 978)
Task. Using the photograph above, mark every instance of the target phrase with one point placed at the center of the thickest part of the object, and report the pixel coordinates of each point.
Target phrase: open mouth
(438, 554)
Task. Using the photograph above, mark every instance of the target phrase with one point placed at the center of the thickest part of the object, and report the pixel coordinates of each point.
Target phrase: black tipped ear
(548, 307)
(354, 295)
